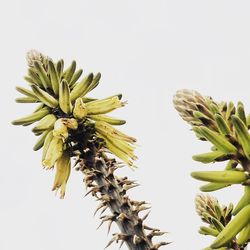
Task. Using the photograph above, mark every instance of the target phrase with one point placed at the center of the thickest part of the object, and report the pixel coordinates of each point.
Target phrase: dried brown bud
(205, 204)
(34, 55)
(185, 102)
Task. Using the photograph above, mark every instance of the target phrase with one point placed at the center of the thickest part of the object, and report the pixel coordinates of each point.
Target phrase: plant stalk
(110, 190)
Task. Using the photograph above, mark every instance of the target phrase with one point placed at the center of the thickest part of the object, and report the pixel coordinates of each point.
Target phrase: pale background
(146, 50)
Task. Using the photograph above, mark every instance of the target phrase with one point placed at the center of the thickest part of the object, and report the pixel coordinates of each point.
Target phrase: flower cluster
(226, 127)
(64, 109)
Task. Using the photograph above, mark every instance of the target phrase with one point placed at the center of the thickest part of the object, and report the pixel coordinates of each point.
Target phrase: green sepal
(217, 224)
(47, 122)
(26, 92)
(42, 75)
(233, 228)
(208, 157)
(44, 97)
(31, 81)
(64, 97)
(222, 125)
(242, 133)
(33, 77)
(218, 140)
(81, 88)
(26, 100)
(228, 212)
(227, 176)
(29, 119)
(40, 141)
(218, 211)
(46, 143)
(210, 187)
(94, 82)
(244, 235)
(54, 77)
(241, 112)
(244, 201)
(75, 77)
(68, 74)
(59, 68)
(208, 231)
(108, 119)
(230, 110)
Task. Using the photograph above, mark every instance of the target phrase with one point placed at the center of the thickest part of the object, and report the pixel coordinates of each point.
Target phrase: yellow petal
(60, 129)
(63, 167)
(54, 152)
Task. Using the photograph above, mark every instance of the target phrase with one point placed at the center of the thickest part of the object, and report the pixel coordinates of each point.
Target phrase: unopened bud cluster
(225, 126)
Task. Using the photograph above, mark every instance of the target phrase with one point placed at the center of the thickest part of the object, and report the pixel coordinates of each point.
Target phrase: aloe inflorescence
(225, 126)
(71, 125)
(215, 216)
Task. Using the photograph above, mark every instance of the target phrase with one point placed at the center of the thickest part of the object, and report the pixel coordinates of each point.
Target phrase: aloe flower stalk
(72, 125)
(225, 126)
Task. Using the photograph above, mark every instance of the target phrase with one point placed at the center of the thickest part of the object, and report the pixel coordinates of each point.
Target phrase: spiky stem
(111, 191)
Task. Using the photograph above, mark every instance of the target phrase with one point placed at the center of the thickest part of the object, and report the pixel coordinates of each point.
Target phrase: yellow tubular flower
(63, 167)
(80, 110)
(60, 129)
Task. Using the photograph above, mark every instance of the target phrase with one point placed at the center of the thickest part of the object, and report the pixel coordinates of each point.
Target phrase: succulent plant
(226, 127)
(71, 125)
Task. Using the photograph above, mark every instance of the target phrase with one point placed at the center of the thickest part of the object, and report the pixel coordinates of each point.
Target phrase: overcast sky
(146, 50)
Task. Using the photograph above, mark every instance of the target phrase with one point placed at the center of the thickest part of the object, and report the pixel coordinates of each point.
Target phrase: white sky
(146, 50)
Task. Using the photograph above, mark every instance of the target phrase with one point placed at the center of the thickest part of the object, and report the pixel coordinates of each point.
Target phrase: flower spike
(61, 97)
(75, 127)
(226, 126)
